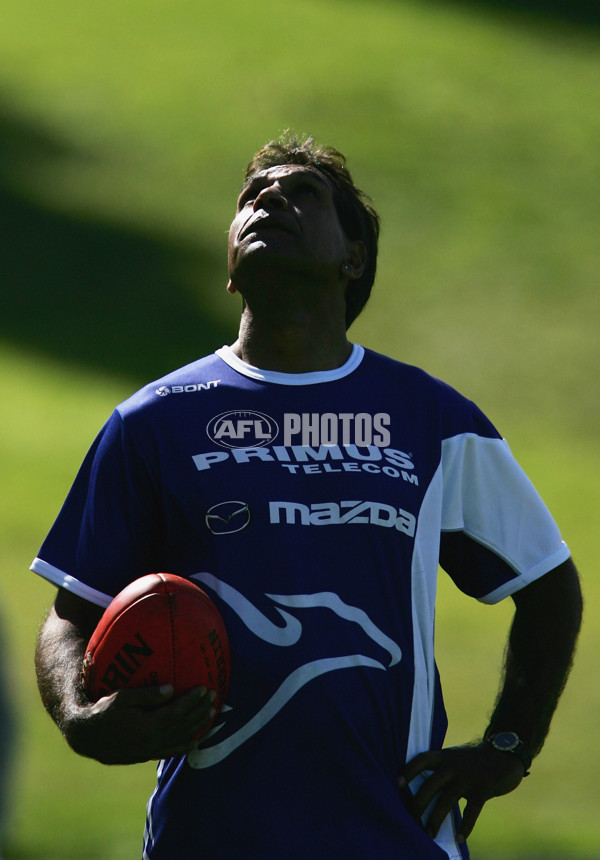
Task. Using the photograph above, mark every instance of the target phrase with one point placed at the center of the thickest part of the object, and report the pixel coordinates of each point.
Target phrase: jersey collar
(312, 378)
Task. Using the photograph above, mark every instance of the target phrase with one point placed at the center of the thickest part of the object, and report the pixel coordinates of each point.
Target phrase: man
(311, 487)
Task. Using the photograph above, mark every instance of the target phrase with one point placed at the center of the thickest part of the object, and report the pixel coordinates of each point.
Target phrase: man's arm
(126, 727)
(539, 654)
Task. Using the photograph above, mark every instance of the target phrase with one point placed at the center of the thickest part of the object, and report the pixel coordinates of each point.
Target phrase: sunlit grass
(477, 138)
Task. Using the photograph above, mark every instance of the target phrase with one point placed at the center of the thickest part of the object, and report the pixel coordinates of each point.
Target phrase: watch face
(506, 741)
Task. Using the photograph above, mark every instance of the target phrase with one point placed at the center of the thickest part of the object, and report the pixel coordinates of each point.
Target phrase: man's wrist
(510, 742)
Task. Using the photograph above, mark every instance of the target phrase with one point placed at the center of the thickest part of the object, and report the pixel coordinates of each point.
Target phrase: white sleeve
(488, 497)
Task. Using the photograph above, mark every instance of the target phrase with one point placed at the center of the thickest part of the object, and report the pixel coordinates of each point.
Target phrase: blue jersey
(314, 509)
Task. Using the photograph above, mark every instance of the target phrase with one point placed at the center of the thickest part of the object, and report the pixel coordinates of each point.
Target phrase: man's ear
(356, 260)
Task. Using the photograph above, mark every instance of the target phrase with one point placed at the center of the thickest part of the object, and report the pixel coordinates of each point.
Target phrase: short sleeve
(497, 533)
(110, 525)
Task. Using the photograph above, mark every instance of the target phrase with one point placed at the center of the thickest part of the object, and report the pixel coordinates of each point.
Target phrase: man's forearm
(59, 654)
(539, 656)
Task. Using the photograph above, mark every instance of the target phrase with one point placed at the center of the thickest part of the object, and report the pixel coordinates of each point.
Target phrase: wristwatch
(511, 742)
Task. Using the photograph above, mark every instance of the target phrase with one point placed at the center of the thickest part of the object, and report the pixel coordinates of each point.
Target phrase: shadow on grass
(90, 292)
(583, 13)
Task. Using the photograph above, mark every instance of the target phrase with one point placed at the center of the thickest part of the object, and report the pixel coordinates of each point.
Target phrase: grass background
(124, 129)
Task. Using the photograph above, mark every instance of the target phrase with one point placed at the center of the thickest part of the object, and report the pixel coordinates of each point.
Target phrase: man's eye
(245, 199)
(307, 189)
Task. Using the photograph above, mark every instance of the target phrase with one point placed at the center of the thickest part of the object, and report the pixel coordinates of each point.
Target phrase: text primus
(326, 459)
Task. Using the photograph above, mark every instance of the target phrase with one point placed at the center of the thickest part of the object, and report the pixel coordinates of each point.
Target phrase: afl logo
(226, 518)
(242, 429)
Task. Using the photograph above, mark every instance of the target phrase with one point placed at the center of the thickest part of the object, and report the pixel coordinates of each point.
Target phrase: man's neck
(302, 345)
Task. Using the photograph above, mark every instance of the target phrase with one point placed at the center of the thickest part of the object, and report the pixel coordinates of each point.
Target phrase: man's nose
(271, 196)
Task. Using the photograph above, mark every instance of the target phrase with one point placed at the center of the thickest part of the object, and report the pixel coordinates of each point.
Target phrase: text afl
(247, 428)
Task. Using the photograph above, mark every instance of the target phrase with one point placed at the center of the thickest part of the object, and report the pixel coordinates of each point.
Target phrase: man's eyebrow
(314, 173)
(252, 183)
(260, 179)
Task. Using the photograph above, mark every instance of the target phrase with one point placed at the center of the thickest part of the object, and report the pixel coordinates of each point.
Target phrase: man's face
(286, 220)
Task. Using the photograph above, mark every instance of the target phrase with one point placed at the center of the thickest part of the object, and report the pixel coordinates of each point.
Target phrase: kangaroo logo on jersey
(242, 429)
(230, 734)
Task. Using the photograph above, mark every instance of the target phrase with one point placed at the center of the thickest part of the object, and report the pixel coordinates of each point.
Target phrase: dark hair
(358, 218)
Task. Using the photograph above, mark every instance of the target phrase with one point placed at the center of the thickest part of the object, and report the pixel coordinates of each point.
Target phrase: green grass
(551, 813)
(123, 133)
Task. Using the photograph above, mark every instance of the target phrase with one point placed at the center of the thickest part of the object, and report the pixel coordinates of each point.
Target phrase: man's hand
(476, 773)
(130, 725)
(136, 725)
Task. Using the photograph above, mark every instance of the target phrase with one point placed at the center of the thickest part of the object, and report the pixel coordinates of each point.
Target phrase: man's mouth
(267, 221)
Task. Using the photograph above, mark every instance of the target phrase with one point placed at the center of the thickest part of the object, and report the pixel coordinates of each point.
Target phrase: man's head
(356, 215)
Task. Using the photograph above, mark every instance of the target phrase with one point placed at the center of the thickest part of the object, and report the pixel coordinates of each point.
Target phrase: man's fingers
(475, 772)
(426, 793)
(469, 819)
(153, 696)
(189, 713)
(421, 762)
(165, 725)
(445, 802)
(143, 697)
(443, 806)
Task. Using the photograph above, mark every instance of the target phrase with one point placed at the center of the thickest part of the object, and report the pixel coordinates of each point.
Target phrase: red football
(161, 629)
